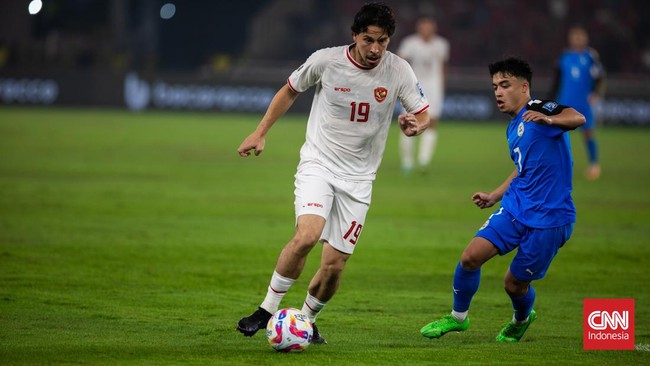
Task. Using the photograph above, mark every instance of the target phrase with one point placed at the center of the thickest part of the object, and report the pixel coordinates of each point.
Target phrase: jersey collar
(354, 62)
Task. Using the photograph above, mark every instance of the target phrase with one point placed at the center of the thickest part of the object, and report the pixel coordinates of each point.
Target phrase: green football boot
(446, 324)
(512, 332)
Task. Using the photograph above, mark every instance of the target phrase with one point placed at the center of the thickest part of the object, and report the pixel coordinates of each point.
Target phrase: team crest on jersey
(380, 94)
(520, 129)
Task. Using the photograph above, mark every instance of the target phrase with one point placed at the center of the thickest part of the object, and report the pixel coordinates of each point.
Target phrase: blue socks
(592, 151)
(523, 304)
(465, 286)
(466, 283)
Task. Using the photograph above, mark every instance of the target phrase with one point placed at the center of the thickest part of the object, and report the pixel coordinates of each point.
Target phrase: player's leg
(522, 295)
(467, 278)
(340, 237)
(323, 285)
(468, 274)
(406, 144)
(325, 282)
(428, 143)
(288, 268)
(593, 170)
(496, 236)
(429, 138)
(536, 251)
(313, 203)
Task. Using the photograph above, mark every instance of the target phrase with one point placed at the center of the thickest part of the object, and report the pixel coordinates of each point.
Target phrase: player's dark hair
(512, 66)
(378, 14)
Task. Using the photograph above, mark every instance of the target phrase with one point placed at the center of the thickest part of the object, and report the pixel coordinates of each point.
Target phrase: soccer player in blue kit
(580, 83)
(537, 212)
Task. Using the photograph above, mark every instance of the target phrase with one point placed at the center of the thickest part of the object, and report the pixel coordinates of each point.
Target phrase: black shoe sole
(247, 332)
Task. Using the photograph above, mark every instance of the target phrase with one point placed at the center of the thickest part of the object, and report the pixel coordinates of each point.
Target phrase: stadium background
(132, 233)
(232, 56)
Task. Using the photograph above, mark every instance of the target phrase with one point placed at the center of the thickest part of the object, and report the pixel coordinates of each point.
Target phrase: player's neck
(520, 106)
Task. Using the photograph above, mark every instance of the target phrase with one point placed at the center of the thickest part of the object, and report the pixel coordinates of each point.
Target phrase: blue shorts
(537, 247)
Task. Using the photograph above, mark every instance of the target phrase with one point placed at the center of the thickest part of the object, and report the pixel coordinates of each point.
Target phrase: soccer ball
(289, 330)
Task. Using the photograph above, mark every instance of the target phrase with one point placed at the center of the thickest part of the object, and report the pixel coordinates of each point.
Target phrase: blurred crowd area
(478, 31)
(212, 37)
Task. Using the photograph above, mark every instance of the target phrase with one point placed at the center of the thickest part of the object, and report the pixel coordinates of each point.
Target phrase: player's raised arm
(281, 102)
(568, 118)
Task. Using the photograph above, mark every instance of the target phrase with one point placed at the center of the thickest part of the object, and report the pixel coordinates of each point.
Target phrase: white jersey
(352, 109)
(427, 60)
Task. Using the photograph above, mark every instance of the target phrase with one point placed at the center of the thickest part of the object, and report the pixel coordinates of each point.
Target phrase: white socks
(515, 321)
(277, 289)
(312, 307)
(460, 316)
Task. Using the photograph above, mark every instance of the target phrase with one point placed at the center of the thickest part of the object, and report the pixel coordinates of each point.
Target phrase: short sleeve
(309, 73)
(547, 107)
(411, 95)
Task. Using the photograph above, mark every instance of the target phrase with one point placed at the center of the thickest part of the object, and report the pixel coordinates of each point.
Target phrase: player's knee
(305, 238)
(469, 261)
(301, 245)
(332, 270)
(515, 288)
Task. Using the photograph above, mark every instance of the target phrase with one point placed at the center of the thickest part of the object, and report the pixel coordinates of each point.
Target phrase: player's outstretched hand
(408, 124)
(483, 200)
(252, 142)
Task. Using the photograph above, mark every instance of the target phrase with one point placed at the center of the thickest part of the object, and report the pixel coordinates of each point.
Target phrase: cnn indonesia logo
(608, 324)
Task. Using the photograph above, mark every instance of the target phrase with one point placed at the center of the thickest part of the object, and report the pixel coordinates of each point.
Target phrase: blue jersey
(579, 71)
(540, 195)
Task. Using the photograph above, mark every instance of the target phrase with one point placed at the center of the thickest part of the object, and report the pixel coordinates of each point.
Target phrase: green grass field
(143, 238)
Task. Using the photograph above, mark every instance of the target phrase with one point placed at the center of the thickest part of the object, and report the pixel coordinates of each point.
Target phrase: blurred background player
(357, 87)
(537, 212)
(427, 52)
(580, 83)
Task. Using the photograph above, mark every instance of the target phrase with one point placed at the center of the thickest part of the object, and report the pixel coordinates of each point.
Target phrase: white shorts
(344, 205)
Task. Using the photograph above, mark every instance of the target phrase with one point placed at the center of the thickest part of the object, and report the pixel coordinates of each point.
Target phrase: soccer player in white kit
(428, 53)
(357, 87)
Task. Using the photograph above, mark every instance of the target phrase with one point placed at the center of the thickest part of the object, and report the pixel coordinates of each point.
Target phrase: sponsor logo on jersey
(380, 94)
(314, 204)
(608, 324)
(341, 89)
